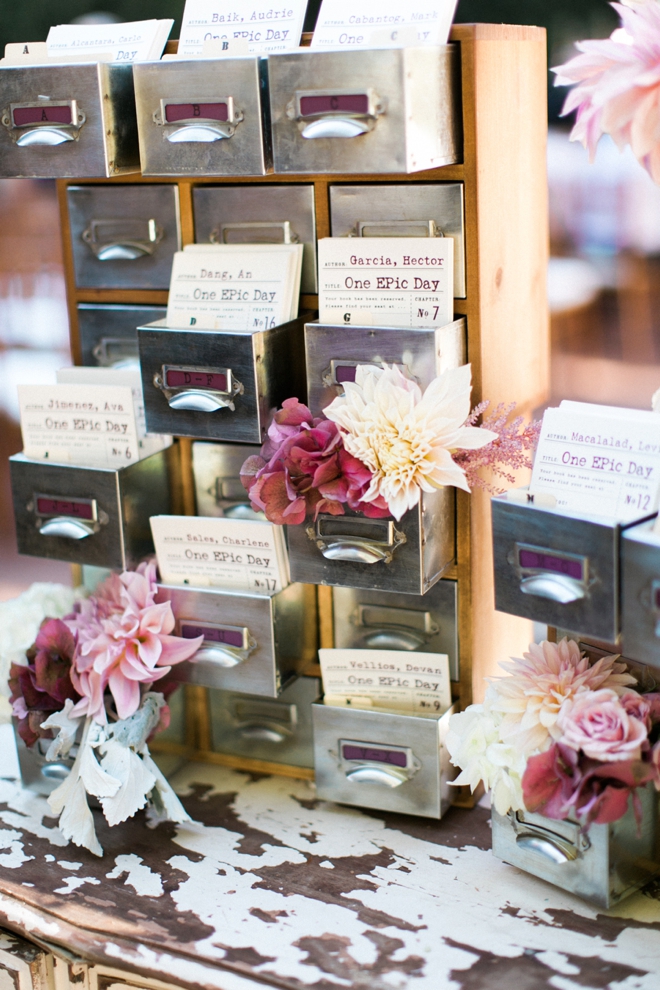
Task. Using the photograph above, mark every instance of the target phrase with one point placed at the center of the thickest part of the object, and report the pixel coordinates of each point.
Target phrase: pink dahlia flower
(618, 86)
(123, 641)
(598, 724)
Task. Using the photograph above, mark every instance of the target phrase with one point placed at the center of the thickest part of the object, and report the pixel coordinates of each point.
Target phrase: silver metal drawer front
(413, 210)
(218, 488)
(124, 237)
(258, 214)
(364, 112)
(108, 333)
(640, 599)
(67, 121)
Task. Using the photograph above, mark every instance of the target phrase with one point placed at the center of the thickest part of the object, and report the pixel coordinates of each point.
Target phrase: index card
(399, 679)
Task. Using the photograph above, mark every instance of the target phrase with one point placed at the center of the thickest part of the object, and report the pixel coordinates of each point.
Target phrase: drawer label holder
(43, 123)
(198, 389)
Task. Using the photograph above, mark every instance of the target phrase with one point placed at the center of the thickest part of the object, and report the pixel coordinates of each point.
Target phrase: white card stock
(387, 24)
(262, 25)
(386, 281)
(135, 41)
(236, 287)
(220, 553)
(392, 679)
(599, 460)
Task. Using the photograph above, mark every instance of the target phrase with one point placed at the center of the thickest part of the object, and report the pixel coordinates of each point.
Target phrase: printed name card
(386, 281)
(235, 287)
(222, 553)
(135, 41)
(599, 460)
(390, 679)
(79, 424)
(261, 25)
(388, 24)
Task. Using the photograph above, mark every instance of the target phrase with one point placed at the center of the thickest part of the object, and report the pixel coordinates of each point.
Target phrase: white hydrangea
(20, 619)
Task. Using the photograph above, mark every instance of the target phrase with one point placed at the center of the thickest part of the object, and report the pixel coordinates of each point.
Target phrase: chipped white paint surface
(271, 884)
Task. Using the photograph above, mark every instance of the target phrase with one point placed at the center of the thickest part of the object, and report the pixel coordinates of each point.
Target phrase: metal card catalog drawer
(108, 332)
(202, 117)
(68, 121)
(332, 354)
(217, 475)
(386, 620)
(275, 730)
(557, 567)
(352, 551)
(219, 385)
(97, 516)
(414, 210)
(257, 214)
(37, 774)
(124, 237)
(253, 643)
(603, 866)
(384, 760)
(395, 110)
(640, 593)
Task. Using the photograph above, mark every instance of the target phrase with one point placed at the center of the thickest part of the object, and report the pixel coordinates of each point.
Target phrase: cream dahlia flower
(405, 438)
(547, 677)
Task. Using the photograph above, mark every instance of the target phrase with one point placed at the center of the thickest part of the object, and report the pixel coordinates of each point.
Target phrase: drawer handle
(220, 656)
(113, 351)
(194, 401)
(556, 850)
(203, 390)
(69, 529)
(555, 587)
(127, 239)
(396, 228)
(335, 127)
(376, 775)
(354, 544)
(262, 733)
(254, 232)
(44, 137)
(391, 639)
(243, 511)
(200, 133)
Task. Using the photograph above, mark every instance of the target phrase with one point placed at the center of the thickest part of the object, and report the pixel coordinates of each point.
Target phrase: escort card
(386, 281)
(236, 287)
(263, 25)
(79, 424)
(387, 24)
(135, 41)
(599, 460)
(406, 681)
(202, 551)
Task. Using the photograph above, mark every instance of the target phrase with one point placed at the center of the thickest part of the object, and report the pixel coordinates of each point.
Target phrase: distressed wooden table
(272, 888)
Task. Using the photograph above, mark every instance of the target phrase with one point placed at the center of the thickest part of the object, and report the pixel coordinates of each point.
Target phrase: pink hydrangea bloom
(598, 724)
(618, 86)
(122, 641)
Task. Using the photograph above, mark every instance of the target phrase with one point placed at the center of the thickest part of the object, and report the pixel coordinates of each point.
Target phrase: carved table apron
(272, 888)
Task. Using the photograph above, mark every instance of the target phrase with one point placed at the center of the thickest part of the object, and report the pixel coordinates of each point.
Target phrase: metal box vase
(332, 354)
(387, 620)
(90, 515)
(68, 121)
(108, 332)
(217, 476)
(259, 214)
(203, 117)
(385, 111)
(560, 568)
(420, 209)
(385, 760)
(219, 385)
(37, 774)
(640, 593)
(124, 236)
(275, 730)
(252, 643)
(603, 865)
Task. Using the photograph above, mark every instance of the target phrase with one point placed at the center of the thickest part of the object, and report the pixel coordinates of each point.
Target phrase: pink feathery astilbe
(618, 86)
(512, 449)
(122, 641)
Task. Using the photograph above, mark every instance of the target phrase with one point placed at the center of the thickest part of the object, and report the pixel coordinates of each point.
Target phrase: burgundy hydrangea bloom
(303, 469)
(44, 684)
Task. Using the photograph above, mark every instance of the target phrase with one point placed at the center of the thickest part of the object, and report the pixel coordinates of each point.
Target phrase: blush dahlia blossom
(406, 438)
(618, 85)
(122, 641)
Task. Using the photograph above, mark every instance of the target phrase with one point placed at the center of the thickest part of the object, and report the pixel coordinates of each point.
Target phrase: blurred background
(604, 276)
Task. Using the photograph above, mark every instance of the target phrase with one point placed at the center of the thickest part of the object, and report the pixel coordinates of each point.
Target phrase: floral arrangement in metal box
(560, 736)
(378, 446)
(85, 683)
(617, 85)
